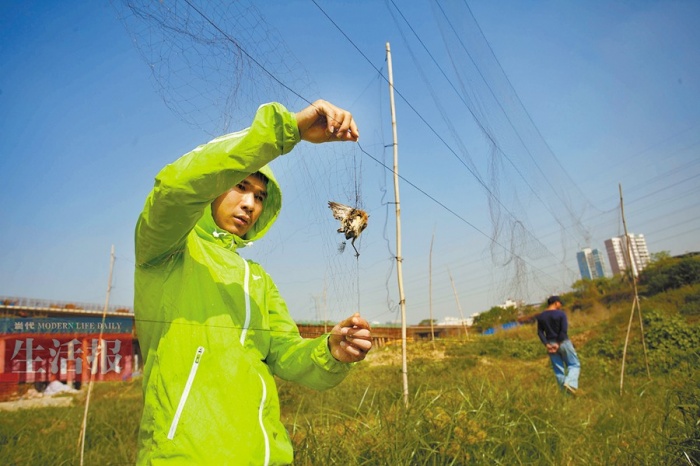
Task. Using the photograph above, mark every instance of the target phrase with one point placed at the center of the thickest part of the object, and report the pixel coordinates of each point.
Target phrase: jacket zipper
(185, 392)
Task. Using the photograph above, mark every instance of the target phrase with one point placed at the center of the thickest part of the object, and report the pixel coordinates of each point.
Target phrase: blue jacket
(552, 326)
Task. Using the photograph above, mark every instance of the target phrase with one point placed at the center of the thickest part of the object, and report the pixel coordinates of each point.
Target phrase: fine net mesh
(214, 62)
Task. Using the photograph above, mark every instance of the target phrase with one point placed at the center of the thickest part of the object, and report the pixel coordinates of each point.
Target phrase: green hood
(207, 228)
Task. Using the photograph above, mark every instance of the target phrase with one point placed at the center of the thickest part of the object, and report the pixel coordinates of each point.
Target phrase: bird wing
(340, 211)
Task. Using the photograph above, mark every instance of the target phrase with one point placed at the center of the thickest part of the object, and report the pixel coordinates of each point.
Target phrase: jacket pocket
(185, 392)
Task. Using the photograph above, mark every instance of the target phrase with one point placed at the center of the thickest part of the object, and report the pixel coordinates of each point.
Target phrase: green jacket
(212, 326)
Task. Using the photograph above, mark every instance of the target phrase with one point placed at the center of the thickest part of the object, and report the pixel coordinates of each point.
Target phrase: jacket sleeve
(186, 187)
(564, 330)
(541, 332)
(306, 361)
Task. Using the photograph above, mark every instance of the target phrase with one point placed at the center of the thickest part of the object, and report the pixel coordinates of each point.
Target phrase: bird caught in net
(352, 222)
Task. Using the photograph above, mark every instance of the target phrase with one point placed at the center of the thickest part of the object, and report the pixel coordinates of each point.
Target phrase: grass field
(488, 400)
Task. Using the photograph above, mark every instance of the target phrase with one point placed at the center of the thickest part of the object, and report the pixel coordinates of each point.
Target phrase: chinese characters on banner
(45, 349)
(32, 355)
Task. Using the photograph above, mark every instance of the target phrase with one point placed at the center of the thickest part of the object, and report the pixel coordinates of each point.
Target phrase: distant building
(454, 321)
(591, 264)
(618, 255)
(509, 303)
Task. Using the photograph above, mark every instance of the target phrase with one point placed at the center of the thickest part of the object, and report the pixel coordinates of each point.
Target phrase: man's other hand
(351, 339)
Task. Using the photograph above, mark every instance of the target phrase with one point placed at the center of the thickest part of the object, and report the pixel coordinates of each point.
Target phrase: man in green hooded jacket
(212, 327)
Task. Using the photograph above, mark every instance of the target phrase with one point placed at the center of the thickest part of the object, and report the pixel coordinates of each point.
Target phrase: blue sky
(516, 124)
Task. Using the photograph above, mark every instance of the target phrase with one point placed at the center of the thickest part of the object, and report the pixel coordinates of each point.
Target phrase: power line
(498, 102)
(239, 47)
(455, 214)
(227, 37)
(522, 105)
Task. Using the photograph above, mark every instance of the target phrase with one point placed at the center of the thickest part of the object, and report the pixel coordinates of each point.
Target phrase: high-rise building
(590, 263)
(618, 255)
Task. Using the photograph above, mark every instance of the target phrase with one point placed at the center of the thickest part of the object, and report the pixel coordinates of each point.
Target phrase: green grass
(488, 400)
(498, 410)
(49, 436)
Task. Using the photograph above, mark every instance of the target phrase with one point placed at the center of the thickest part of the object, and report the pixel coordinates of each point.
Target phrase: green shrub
(670, 274)
(691, 305)
(671, 341)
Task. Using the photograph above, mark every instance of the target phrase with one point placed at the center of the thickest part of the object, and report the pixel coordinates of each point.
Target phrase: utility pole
(399, 259)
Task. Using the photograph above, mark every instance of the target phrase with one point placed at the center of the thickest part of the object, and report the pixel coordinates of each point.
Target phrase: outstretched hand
(324, 122)
(351, 339)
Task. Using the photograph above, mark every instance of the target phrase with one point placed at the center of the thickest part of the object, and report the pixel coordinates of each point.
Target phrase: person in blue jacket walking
(552, 328)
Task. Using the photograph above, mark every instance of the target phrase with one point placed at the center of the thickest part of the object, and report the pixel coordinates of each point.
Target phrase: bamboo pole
(325, 307)
(635, 302)
(399, 259)
(100, 350)
(430, 290)
(459, 307)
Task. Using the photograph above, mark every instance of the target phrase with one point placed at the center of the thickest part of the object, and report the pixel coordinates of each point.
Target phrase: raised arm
(185, 188)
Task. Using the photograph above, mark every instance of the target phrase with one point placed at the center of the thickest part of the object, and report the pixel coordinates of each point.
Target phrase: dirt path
(42, 402)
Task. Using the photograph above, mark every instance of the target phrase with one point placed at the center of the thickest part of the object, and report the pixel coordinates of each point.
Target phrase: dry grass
(489, 400)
